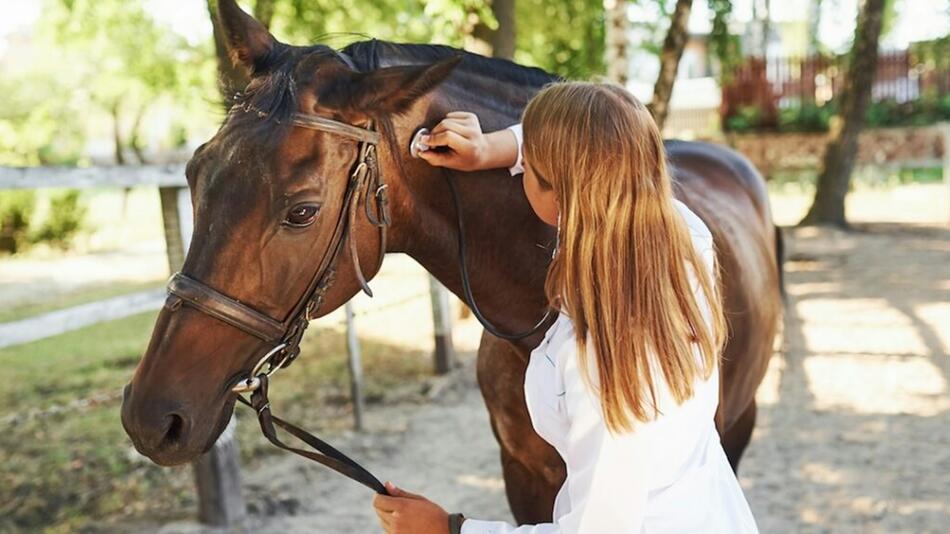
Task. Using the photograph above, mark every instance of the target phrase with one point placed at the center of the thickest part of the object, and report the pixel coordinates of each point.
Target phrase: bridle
(365, 186)
(365, 183)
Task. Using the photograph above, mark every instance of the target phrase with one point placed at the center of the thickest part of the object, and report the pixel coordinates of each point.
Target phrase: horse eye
(302, 216)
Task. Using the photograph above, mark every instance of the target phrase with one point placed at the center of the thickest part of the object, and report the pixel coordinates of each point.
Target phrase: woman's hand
(464, 147)
(408, 513)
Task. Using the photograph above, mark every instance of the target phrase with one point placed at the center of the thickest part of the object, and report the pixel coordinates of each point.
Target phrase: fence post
(442, 325)
(171, 218)
(217, 472)
(354, 361)
(218, 477)
(945, 133)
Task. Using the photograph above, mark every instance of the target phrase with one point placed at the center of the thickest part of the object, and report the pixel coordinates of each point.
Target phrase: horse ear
(248, 41)
(389, 90)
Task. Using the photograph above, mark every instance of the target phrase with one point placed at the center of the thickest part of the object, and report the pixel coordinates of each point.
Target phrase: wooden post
(217, 472)
(171, 218)
(218, 477)
(354, 361)
(186, 223)
(442, 325)
(945, 133)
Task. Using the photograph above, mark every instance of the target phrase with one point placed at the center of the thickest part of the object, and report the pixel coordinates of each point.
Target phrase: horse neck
(508, 246)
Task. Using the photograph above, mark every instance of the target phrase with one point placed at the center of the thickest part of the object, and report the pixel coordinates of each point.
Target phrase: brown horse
(260, 171)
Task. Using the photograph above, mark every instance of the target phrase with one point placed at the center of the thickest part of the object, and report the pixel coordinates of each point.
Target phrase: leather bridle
(365, 187)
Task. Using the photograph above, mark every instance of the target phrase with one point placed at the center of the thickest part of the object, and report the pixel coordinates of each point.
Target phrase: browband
(331, 126)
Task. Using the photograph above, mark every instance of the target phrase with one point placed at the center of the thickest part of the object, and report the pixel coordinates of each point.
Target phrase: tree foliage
(565, 37)
(101, 66)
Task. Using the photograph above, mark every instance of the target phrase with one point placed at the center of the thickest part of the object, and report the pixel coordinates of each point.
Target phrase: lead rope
(327, 455)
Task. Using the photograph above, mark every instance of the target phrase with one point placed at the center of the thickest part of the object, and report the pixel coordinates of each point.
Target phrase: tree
(499, 41)
(124, 63)
(814, 23)
(618, 62)
(835, 178)
(670, 55)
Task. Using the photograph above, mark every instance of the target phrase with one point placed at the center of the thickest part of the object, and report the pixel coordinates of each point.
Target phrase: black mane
(370, 54)
(263, 111)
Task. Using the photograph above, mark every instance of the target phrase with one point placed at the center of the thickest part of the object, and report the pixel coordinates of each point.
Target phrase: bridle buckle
(252, 382)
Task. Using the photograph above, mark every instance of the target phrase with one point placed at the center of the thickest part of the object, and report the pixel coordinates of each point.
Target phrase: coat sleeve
(518, 167)
(607, 480)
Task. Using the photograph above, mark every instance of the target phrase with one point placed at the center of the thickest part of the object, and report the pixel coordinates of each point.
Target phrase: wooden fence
(787, 81)
(217, 472)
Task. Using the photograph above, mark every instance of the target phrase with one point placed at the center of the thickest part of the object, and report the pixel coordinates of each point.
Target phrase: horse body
(510, 250)
(174, 413)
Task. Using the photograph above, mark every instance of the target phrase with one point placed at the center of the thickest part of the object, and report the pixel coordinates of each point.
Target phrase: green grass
(84, 295)
(73, 470)
(803, 180)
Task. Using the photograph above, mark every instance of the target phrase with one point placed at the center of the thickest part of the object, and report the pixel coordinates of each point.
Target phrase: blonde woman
(626, 381)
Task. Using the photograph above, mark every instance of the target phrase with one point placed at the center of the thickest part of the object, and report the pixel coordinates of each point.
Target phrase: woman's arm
(459, 143)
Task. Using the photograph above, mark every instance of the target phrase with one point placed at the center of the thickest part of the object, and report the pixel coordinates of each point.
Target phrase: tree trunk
(499, 42)
(615, 15)
(135, 141)
(231, 79)
(761, 24)
(814, 22)
(835, 178)
(670, 56)
(503, 39)
(117, 143)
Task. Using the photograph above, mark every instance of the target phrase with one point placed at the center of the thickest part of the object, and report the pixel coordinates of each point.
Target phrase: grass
(75, 469)
(56, 301)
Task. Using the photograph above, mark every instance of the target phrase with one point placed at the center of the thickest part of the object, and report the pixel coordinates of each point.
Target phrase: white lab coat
(669, 475)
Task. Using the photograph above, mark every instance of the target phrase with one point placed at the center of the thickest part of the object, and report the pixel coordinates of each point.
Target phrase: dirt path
(854, 428)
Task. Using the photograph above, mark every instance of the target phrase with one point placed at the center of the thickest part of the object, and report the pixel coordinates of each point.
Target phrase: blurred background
(843, 105)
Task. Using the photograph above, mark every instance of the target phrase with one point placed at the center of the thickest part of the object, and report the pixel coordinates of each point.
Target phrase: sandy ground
(854, 424)
(854, 418)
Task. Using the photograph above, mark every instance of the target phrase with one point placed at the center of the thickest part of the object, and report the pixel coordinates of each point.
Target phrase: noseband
(365, 187)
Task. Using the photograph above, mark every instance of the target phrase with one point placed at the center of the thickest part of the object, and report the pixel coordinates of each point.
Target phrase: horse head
(269, 199)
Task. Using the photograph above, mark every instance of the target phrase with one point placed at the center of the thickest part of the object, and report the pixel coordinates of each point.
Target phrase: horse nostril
(175, 429)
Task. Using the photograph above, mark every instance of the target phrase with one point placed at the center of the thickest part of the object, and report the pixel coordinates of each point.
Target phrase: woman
(625, 383)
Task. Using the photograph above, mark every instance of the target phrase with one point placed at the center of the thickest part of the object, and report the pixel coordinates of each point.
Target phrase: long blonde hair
(620, 272)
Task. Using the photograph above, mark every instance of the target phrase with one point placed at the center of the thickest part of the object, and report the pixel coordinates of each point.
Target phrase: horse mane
(262, 113)
(367, 54)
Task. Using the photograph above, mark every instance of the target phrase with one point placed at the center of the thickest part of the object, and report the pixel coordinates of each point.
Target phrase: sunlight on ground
(768, 392)
(820, 473)
(850, 325)
(487, 483)
(867, 357)
(930, 202)
(870, 384)
(937, 316)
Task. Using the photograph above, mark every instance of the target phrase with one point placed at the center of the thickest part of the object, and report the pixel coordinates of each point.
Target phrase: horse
(269, 196)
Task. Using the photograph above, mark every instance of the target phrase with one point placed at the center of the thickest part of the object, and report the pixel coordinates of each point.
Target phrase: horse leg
(532, 469)
(737, 437)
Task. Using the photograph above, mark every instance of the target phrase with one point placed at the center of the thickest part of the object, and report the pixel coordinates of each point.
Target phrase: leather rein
(365, 187)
